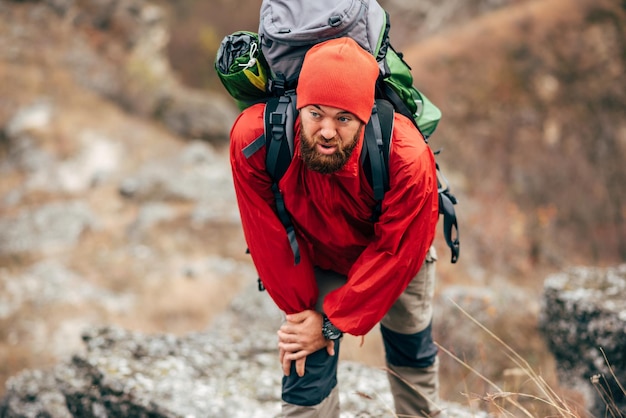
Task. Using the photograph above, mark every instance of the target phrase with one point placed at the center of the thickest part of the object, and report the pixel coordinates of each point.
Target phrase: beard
(326, 164)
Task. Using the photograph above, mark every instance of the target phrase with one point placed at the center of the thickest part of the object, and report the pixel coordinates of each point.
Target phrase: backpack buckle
(277, 84)
(277, 118)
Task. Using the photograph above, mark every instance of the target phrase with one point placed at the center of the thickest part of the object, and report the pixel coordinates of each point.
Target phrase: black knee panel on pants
(409, 350)
(320, 378)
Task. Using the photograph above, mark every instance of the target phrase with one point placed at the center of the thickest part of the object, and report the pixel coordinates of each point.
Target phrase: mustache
(327, 141)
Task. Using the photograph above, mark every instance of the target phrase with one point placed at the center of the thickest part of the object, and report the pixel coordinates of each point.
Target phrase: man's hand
(300, 336)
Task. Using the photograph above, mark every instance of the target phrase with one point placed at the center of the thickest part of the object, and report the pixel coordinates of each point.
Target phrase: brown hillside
(534, 132)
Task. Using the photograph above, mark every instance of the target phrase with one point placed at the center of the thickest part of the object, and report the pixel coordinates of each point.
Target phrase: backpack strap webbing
(375, 152)
(386, 91)
(446, 208)
(375, 158)
(279, 121)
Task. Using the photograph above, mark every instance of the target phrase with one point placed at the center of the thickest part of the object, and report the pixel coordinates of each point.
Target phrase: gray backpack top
(288, 28)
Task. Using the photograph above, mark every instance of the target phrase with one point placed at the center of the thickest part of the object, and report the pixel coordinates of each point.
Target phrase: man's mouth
(326, 149)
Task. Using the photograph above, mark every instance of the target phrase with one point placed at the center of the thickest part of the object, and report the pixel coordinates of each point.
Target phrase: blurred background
(116, 203)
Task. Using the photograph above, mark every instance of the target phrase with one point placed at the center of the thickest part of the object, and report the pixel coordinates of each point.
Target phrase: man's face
(328, 137)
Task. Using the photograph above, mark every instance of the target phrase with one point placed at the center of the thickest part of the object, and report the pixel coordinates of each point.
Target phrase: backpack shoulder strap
(278, 137)
(279, 120)
(375, 159)
(375, 153)
(377, 141)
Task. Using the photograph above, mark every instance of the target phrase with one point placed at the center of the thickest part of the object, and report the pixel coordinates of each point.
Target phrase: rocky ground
(229, 371)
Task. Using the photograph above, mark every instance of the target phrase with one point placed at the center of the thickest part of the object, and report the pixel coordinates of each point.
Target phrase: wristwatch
(329, 331)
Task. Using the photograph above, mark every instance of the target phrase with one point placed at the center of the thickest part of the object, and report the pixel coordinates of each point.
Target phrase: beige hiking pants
(406, 333)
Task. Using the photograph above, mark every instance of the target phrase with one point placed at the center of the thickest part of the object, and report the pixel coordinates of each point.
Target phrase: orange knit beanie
(338, 73)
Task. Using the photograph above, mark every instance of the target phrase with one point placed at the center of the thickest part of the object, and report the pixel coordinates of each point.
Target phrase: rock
(197, 174)
(49, 282)
(231, 370)
(119, 51)
(584, 320)
(45, 229)
(197, 114)
(93, 156)
(36, 116)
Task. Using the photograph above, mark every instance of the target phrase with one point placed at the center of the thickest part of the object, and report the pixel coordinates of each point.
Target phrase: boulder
(583, 319)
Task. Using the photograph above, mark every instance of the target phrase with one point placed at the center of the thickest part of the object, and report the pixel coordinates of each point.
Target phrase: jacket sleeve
(292, 287)
(403, 235)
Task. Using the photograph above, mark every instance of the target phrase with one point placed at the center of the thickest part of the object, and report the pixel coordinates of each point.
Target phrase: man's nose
(328, 130)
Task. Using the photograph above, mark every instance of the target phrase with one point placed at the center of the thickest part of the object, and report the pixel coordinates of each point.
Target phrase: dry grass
(525, 391)
(520, 391)
(600, 384)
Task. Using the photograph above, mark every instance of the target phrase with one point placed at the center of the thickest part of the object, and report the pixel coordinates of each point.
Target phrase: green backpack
(264, 67)
(242, 69)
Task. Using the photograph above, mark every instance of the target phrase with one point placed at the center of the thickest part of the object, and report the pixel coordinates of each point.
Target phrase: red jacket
(330, 214)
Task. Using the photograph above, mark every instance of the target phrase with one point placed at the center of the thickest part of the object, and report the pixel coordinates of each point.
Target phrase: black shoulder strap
(280, 117)
(375, 159)
(375, 152)
(278, 138)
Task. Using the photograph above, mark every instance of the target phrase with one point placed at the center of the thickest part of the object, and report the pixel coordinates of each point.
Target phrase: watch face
(329, 331)
(330, 335)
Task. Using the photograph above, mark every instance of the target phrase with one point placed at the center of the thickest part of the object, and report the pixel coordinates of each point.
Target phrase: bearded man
(354, 273)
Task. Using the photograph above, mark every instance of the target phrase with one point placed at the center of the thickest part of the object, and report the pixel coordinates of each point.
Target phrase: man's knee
(320, 378)
(409, 350)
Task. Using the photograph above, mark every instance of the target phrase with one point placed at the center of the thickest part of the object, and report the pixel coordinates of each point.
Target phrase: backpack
(264, 67)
